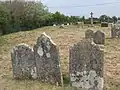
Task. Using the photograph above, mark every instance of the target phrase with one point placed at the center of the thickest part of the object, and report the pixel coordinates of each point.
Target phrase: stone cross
(47, 60)
(91, 14)
(86, 65)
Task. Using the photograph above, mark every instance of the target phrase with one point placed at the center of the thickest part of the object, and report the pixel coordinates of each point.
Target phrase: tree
(83, 18)
(4, 20)
(114, 19)
(103, 18)
(118, 18)
(22, 15)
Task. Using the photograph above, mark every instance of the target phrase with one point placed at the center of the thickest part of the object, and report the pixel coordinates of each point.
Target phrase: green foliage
(21, 15)
(103, 18)
(114, 19)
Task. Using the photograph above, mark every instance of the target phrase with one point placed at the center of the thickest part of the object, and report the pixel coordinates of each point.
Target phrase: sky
(85, 8)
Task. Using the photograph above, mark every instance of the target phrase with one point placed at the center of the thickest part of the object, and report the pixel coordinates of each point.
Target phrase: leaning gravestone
(99, 37)
(47, 60)
(86, 66)
(89, 34)
(23, 62)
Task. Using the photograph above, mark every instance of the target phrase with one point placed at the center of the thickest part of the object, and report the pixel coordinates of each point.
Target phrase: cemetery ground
(64, 38)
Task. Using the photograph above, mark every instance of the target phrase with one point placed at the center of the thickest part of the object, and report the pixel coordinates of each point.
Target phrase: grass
(64, 38)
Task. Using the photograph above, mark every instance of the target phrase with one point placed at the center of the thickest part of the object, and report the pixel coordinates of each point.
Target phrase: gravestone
(86, 65)
(115, 31)
(99, 37)
(68, 24)
(23, 62)
(61, 26)
(89, 34)
(47, 60)
(54, 25)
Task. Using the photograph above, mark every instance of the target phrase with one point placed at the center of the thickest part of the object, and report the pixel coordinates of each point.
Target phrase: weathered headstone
(89, 34)
(99, 37)
(47, 60)
(115, 31)
(23, 62)
(86, 66)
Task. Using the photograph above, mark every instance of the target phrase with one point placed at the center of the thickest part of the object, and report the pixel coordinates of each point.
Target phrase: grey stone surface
(89, 34)
(23, 62)
(115, 31)
(47, 60)
(99, 37)
(86, 65)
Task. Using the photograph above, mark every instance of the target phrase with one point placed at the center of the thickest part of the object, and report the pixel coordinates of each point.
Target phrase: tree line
(21, 15)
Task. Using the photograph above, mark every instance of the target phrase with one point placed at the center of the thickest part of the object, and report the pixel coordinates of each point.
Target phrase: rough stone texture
(99, 37)
(47, 60)
(115, 31)
(89, 34)
(86, 65)
(23, 62)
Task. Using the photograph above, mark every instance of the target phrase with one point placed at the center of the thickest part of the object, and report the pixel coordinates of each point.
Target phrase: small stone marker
(86, 66)
(68, 24)
(47, 60)
(62, 26)
(54, 25)
(89, 34)
(23, 62)
(99, 37)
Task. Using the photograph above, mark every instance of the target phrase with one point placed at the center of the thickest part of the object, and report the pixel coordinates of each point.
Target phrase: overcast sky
(109, 9)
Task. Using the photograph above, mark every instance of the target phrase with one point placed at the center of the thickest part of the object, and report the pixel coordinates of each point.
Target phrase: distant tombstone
(80, 24)
(86, 66)
(99, 37)
(104, 24)
(62, 26)
(47, 60)
(68, 24)
(115, 31)
(54, 25)
(89, 34)
(23, 62)
(118, 33)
